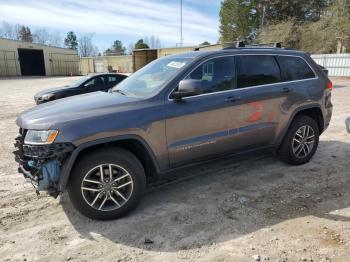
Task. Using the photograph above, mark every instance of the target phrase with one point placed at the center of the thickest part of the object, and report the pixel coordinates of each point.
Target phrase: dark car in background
(86, 84)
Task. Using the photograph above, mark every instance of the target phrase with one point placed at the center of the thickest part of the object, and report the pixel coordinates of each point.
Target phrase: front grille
(24, 152)
(47, 151)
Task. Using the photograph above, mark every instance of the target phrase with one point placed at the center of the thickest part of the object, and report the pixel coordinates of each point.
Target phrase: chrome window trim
(250, 87)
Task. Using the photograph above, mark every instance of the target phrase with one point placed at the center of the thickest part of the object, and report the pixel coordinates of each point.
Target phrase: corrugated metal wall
(337, 64)
(58, 61)
(9, 65)
(142, 57)
(64, 64)
(122, 64)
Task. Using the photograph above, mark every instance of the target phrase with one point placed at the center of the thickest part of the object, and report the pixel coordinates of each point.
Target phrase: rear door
(263, 102)
(197, 126)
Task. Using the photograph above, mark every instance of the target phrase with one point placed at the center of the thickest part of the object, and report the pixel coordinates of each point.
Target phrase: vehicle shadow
(229, 198)
(339, 86)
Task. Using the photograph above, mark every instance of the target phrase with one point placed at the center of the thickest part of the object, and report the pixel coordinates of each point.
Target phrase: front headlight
(40, 137)
(46, 97)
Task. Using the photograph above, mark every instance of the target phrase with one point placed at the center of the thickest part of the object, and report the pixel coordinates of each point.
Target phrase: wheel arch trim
(295, 112)
(68, 165)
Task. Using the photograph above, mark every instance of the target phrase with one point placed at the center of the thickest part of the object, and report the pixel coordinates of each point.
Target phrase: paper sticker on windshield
(176, 64)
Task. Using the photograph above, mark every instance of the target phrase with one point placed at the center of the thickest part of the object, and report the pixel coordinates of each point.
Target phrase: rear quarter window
(294, 68)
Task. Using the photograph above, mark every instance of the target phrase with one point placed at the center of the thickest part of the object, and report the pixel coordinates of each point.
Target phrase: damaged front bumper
(41, 164)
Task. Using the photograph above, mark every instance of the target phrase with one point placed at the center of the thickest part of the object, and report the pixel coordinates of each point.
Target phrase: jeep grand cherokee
(174, 112)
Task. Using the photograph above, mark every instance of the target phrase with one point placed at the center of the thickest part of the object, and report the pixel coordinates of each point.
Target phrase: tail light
(329, 85)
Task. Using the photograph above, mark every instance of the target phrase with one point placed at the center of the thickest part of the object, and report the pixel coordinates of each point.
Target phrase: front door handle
(286, 90)
(232, 99)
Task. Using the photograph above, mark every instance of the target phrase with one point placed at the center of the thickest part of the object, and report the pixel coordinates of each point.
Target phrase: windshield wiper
(118, 91)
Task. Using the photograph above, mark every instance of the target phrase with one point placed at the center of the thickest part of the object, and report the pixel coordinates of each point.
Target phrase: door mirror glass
(188, 87)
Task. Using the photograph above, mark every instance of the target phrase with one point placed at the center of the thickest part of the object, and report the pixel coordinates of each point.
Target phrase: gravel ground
(247, 209)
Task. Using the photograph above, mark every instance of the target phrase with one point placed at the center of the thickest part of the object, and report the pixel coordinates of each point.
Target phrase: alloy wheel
(107, 187)
(303, 141)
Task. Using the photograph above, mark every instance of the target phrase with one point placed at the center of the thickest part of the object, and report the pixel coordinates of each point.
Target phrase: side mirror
(347, 123)
(188, 87)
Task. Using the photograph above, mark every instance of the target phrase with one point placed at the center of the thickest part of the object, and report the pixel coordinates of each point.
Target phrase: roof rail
(240, 44)
(236, 44)
(274, 45)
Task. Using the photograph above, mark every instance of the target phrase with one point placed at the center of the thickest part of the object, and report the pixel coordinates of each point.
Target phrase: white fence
(337, 64)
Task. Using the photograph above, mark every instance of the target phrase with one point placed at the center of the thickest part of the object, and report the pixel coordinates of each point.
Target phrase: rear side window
(254, 70)
(294, 68)
(112, 79)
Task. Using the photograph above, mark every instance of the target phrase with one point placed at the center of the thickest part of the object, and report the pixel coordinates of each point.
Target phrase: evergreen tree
(71, 41)
(141, 45)
(118, 47)
(239, 20)
(24, 34)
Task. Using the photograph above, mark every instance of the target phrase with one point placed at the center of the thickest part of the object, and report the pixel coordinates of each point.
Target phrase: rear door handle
(232, 99)
(286, 90)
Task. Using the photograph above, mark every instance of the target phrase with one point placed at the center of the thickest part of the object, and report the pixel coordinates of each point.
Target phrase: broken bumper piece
(41, 164)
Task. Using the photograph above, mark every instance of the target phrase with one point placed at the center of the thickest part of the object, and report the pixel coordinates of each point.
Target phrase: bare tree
(41, 36)
(158, 43)
(152, 41)
(86, 47)
(10, 31)
(130, 48)
(56, 39)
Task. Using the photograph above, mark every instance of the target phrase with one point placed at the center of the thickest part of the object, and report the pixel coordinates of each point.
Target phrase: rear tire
(300, 142)
(113, 194)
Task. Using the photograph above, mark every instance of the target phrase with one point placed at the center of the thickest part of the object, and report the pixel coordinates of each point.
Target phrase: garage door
(31, 62)
(99, 67)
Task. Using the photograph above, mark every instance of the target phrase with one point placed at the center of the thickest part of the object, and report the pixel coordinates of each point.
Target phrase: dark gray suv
(174, 112)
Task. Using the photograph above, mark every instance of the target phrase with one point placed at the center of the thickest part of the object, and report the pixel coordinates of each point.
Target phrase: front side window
(255, 70)
(217, 74)
(95, 81)
(294, 68)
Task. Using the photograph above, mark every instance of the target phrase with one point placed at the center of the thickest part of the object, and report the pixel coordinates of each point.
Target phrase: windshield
(79, 81)
(149, 80)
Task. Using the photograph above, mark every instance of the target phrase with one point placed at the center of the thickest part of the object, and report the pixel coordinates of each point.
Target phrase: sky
(125, 20)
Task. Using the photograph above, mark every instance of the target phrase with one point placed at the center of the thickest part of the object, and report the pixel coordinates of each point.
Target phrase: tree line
(83, 44)
(317, 26)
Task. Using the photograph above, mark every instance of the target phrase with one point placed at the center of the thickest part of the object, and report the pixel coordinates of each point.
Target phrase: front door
(197, 126)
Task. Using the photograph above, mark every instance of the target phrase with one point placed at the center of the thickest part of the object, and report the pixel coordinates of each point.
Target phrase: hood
(53, 90)
(52, 114)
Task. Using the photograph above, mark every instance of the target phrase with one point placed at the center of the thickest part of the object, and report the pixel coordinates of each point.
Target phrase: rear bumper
(327, 110)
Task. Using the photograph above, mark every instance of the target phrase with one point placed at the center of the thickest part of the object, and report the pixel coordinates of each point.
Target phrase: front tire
(300, 142)
(107, 184)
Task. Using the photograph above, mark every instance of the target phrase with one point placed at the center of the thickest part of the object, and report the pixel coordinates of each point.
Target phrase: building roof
(36, 44)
